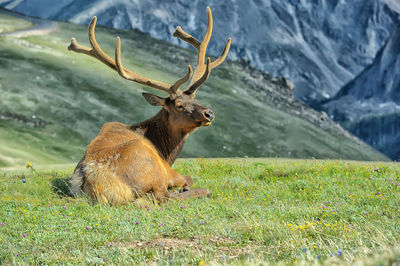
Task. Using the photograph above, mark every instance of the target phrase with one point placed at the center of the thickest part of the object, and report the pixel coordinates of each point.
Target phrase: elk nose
(208, 114)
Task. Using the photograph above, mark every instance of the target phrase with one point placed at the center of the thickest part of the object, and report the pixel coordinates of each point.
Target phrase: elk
(125, 161)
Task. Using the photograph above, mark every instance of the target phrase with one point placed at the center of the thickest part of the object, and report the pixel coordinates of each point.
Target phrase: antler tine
(223, 55)
(118, 62)
(174, 90)
(200, 46)
(193, 88)
(181, 34)
(99, 53)
(74, 46)
(206, 38)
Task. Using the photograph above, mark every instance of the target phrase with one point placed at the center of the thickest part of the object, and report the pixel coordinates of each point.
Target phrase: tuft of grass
(261, 211)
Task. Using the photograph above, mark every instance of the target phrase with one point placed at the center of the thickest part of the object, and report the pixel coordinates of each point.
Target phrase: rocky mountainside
(369, 106)
(319, 44)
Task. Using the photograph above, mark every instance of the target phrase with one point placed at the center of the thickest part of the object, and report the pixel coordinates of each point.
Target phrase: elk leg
(188, 183)
(184, 182)
(161, 195)
(194, 193)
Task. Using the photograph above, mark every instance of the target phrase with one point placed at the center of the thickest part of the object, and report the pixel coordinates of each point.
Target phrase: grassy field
(261, 210)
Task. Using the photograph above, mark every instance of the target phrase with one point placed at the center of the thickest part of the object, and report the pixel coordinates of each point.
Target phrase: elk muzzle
(208, 114)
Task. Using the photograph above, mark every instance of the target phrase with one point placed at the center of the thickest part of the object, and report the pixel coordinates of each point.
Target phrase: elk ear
(154, 99)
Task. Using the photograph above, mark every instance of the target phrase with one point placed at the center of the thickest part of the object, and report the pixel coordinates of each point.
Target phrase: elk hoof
(188, 180)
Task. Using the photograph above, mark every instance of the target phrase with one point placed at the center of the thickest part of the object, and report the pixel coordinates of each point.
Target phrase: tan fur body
(121, 164)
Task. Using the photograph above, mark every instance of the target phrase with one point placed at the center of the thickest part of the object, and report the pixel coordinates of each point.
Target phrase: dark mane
(169, 142)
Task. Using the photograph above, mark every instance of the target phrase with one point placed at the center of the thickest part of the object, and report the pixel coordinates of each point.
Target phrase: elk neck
(167, 139)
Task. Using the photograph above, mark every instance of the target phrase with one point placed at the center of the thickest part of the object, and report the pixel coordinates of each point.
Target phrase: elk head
(185, 113)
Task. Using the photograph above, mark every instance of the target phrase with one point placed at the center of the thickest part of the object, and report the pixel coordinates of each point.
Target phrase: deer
(124, 162)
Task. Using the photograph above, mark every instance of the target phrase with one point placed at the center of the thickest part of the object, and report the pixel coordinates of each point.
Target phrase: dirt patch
(163, 243)
(224, 246)
(218, 240)
(173, 243)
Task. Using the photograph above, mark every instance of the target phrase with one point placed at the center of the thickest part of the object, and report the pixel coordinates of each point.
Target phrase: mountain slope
(320, 45)
(374, 97)
(54, 102)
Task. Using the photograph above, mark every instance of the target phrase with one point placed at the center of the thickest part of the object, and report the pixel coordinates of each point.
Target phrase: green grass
(261, 210)
(9, 23)
(53, 102)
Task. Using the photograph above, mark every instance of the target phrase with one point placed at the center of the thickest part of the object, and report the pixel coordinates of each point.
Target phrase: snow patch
(97, 8)
(393, 4)
(162, 14)
(192, 22)
(12, 4)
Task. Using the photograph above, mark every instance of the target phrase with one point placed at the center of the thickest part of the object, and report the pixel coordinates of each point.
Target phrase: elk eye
(179, 107)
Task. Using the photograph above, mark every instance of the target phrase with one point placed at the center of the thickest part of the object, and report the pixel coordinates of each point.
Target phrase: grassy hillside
(288, 211)
(8, 23)
(53, 102)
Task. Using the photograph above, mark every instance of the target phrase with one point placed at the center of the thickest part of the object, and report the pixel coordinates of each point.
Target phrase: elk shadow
(61, 187)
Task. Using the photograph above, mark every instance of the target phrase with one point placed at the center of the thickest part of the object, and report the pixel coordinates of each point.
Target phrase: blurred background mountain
(327, 48)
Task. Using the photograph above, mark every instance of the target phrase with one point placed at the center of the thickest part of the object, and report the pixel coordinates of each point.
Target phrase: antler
(202, 70)
(98, 53)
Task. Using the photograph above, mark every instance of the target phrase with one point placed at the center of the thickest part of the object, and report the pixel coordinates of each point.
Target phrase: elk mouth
(205, 123)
